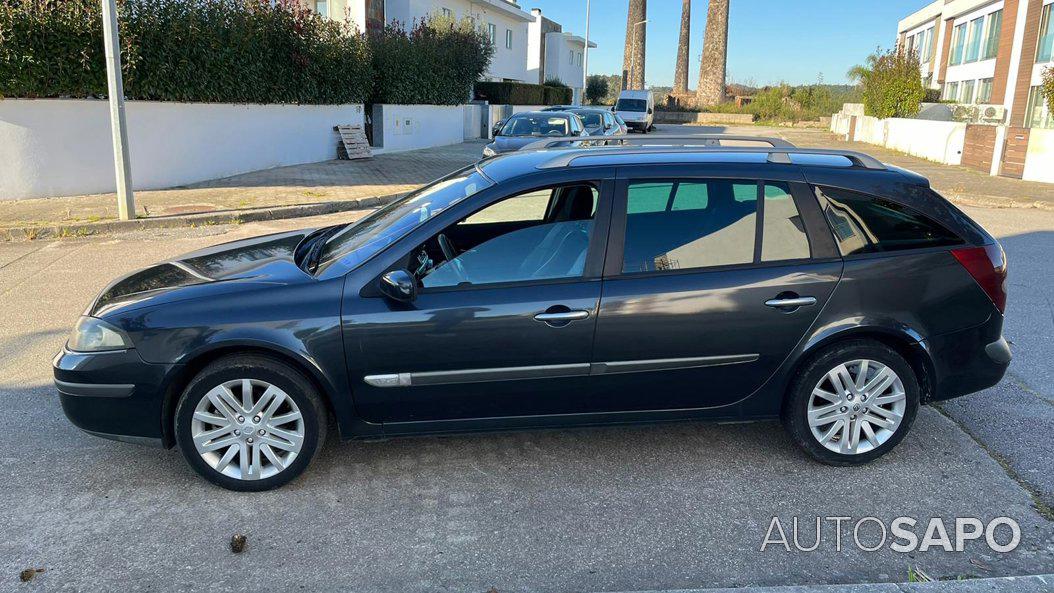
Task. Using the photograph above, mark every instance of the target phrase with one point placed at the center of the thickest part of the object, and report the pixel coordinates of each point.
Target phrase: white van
(637, 109)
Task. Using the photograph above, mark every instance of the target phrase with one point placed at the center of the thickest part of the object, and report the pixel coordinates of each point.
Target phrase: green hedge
(233, 51)
(521, 93)
(435, 63)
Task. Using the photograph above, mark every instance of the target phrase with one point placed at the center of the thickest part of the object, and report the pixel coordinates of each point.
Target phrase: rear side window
(869, 224)
(712, 223)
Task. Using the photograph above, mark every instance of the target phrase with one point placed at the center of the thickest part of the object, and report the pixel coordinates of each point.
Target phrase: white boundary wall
(410, 127)
(1039, 161)
(60, 147)
(940, 141)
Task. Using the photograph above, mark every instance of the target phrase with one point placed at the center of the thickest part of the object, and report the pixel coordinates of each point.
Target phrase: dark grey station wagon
(557, 287)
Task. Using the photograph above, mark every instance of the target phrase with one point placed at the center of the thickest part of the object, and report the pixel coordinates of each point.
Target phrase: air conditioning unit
(992, 113)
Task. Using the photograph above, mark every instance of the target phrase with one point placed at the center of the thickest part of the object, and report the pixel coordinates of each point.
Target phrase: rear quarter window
(869, 224)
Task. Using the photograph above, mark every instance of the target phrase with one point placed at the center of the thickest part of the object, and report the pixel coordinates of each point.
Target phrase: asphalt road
(612, 509)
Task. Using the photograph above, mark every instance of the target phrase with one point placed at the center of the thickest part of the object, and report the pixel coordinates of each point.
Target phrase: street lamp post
(585, 60)
(115, 89)
(633, 59)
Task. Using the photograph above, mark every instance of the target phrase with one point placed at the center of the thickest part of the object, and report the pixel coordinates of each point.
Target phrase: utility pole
(585, 60)
(115, 88)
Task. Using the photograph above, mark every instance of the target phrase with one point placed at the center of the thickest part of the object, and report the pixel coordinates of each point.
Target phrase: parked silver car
(598, 121)
(524, 128)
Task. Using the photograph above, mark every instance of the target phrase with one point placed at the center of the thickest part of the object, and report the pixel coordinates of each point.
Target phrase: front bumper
(969, 360)
(112, 394)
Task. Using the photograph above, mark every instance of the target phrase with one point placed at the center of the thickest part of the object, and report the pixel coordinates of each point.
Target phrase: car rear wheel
(250, 423)
(852, 403)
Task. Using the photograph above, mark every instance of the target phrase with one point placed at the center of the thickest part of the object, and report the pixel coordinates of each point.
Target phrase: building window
(571, 57)
(951, 92)
(991, 36)
(1037, 114)
(447, 13)
(958, 41)
(508, 38)
(984, 90)
(322, 8)
(1045, 51)
(973, 41)
(926, 51)
(966, 91)
(492, 33)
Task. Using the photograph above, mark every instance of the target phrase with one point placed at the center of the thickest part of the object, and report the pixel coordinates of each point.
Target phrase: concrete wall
(939, 141)
(689, 117)
(1039, 161)
(57, 147)
(473, 121)
(410, 127)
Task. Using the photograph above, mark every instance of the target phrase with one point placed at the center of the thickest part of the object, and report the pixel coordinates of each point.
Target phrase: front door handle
(562, 316)
(791, 302)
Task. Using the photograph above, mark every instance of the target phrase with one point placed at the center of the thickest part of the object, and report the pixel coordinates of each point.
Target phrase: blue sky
(768, 40)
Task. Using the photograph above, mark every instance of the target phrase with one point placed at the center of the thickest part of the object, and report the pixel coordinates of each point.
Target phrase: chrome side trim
(550, 371)
(669, 364)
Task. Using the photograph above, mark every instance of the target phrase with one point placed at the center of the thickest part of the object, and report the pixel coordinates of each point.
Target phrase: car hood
(247, 264)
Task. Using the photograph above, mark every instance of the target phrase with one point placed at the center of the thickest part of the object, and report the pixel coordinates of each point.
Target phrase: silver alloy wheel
(856, 406)
(247, 429)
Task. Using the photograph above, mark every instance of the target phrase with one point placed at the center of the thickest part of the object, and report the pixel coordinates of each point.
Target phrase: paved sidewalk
(314, 183)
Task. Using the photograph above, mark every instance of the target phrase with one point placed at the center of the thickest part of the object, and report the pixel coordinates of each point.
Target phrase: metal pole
(585, 59)
(115, 88)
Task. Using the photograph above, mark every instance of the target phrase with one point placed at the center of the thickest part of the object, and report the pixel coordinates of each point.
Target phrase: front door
(715, 285)
(503, 323)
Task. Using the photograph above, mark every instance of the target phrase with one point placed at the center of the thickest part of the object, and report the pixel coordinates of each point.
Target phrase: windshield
(536, 125)
(367, 237)
(632, 105)
(591, 119)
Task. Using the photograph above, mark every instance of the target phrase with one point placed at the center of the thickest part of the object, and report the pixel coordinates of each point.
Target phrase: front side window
(784, 236)
(537, 235)
(869, 224)
(673, 225)
(368, 236)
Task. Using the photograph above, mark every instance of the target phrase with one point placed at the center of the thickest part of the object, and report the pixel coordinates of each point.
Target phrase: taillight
(987, 265)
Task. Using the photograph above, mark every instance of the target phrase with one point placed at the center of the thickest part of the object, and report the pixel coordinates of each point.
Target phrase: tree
(891, 83)
(1047, 89)
(596, 89)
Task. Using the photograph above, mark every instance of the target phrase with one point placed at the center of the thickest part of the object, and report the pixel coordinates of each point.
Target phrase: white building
(555, 54)
(503, 20)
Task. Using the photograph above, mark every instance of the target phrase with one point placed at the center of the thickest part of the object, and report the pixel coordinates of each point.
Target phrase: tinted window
(631, 105)
(784, 232)
(711, 224)
(543, 234)
(868, 224)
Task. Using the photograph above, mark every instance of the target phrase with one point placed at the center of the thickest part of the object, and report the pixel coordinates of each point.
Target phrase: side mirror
(497, 127)
(649, 111)
(399, 285)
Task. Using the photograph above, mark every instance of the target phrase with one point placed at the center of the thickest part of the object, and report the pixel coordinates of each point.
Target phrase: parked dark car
(551, 288)
(531, 126)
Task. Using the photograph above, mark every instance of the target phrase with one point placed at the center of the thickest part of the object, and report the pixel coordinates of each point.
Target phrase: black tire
(795, 409)
(263, 368)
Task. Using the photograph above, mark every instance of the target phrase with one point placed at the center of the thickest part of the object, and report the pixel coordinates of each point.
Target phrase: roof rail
(778, 154)
(701, 140)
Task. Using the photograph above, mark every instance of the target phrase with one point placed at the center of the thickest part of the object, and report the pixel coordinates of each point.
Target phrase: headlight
(95, 335)
(488, 151)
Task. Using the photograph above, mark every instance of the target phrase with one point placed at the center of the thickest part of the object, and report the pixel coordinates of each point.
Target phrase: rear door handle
(789, 303)
(563, 316)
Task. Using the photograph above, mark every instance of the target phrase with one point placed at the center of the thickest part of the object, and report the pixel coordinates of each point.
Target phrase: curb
(1043, 583)
(191, 220)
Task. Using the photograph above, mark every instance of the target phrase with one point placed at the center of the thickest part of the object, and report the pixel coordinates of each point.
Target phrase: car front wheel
(852, 403)
(249, 423)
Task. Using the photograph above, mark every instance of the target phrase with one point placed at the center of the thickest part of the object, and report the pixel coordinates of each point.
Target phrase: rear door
(712, 277)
